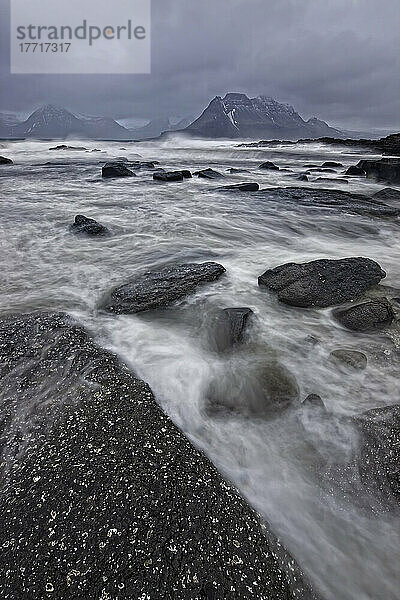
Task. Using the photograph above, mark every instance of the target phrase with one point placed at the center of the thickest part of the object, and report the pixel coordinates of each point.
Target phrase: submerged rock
(241, 187)
(209, 174)
(387, 194)
(350, 358)
(322, 282)
(355, 170)
(235, 170)
(5, 161)
(116, 169)
(88, 226)
(331, 163)
(313, 401)
(386, 169)
(258, 390)
(367, 316)
(332, 179)
(269, 166)
(157, 289)
(106, 493)
(65, 147)
(302, 178)
(230, 327)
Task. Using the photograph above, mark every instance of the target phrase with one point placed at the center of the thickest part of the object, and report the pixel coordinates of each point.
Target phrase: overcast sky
(336, 59)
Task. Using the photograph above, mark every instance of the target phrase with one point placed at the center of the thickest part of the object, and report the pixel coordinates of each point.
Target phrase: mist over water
(350, 553)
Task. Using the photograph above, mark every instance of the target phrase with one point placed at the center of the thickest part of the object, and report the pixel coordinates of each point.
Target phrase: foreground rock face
(88, 226)
(116, 169)
(157, 289)
(322, 282)
(338, 200)
(101, 496)
(367, 316)
(230, 327)
(386, 169)
(5, 161)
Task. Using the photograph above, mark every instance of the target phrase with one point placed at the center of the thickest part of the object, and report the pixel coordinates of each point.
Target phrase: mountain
(53, 122)
(237, 116)
(152, 129)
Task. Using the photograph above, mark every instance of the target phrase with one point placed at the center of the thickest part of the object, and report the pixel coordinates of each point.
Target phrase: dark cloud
(336, 59)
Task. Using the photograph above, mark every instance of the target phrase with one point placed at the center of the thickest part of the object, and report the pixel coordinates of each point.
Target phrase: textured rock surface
(386, 169)
(241, 187)
(355, 170)
(172, 175)
(88, 226)
(156, 289)
(116, 169)
(339, 200)
(387, 195)
(367, 316)
(5, 161)
(269, 166)
(101, 496)
(322, 282)
(350, 358)
(230, 327)
(314, 401)
(209, 174)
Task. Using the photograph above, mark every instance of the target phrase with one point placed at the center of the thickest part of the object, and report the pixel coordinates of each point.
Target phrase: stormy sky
(336, 59)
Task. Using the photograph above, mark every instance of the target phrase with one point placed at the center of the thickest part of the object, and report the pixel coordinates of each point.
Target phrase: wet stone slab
(102, 497)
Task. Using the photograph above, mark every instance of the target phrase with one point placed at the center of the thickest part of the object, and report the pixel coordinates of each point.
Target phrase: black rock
(339, 200)
(302, 178)
(235, 170)
(241, 187)
(157, 289)
(314, 401)
(332, 179)
(321, 170)
(65, 147)
(367, 316)
(331, 163)
(350, 358)
(88, 226)
(269, 166)
(151, 164)
(106, 493)
(386, 169)
(322, 282)
(355, 170)
(116, 169)
(230, 327)
(388, 195)
(167, 176)
(209, 174)
(5, 161)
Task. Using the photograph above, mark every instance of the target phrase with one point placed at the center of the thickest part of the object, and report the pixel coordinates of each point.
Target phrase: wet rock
(332, 179)
(314, 401)
(386, 169)
(302, 178)
(209, 174)
(268, 165)
(322, 282)
(172, 175)
(116, 169)
(367, 316)
(387, 195)
(356, 170)
(349, 358)
(322, 170)
(88, 226)
(241, 187)
(151, 164)
(230, 327)
(339, 200)
(379, 453)
(106, 493)
(157, 289)
(235, 170)
(256, 390)
(5, 161)
(65, 147)
(331, 163)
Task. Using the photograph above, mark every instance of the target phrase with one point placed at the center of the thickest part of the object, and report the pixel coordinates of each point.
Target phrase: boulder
(313, 401)
(209, 174)
(349, 358)
(355, 170)
(372, 315)
(241, 187)
(116, 169)
(88, 226)
(102, 496)
(230, 327)
(268, 165)
(258, 390)
(321, 170)
(172, 175)
(5, 161)
(157, 289)
(235, 170)
(302, 178)
(331, 163)
(386, 169)
(323, 282)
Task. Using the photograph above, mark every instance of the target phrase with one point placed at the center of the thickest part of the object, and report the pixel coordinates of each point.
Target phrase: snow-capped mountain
(53, 122)
(237, 116)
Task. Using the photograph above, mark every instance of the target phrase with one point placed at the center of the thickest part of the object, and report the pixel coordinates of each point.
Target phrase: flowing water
(349, 553)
